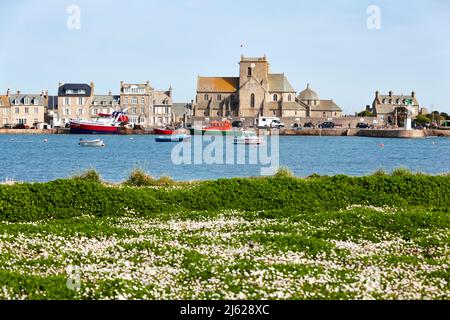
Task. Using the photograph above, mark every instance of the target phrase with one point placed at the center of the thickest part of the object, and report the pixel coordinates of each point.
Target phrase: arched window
(252, 100)
(289, 97)
(249, 71)
(275, 97)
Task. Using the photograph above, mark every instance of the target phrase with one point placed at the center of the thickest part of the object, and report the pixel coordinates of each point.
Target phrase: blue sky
(171, 42)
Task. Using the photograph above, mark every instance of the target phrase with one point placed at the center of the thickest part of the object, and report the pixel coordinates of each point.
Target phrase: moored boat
(215, 128)
(173, 138)
(103, 124)
(248, 137)
(91, 143)
(164, 131)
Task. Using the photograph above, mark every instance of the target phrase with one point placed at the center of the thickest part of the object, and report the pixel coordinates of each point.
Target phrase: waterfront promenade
(371, 133)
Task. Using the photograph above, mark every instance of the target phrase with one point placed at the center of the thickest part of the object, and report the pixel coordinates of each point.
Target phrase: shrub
(401, 172)
(380, 173)
(139, 178)
(284, 172)
(89, 175)
(165, 181)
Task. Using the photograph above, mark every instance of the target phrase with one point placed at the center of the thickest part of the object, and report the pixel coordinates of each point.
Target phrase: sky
(326, 43)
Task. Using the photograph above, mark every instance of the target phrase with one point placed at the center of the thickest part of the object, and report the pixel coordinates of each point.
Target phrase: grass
(377, 237)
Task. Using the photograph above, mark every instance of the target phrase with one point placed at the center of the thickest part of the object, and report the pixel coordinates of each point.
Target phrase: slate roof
(279, 83)
(326, 105)
(74, 86)
(105, 100)
(42, 101)
(218, 84)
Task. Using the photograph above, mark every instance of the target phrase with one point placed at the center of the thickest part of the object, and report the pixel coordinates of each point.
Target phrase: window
(249, 71)
(384, 101)
(133, 119)
(142, 109)
(289, 97)
(36, 110)
(134, 100)
(22, 121)
(17, 110)
(166, 110)
(26, 101)
(133, 110)
(27, 110)
(69, 91)
(252, 100)
(94, 111)
(5, 112)
(36, 102)
(275, 97)
(67, 112)
(206, 97)
(81, 91)
(142, 101)
(125, 100)
(141, 119)
(66, 101)
(80, 101)
(219, 97)
(16, 102)
(80, 112)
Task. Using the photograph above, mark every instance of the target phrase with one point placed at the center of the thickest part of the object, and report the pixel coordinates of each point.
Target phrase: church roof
(279, 83)
(326, 105)
(308, 94)
(217, 84)
(4, 101)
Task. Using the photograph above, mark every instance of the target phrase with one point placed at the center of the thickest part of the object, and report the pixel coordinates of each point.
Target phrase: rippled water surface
(29, 158)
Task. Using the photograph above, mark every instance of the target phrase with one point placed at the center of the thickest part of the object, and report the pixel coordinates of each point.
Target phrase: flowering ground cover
(357, 252)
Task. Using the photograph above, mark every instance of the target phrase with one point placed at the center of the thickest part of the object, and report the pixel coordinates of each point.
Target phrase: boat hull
(207, 132)
(172, 139)
(82, 128)
(163, 131)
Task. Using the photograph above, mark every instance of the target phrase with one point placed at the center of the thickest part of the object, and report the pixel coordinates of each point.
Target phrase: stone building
(27, 109)
(74, 102)
(391, 108)
(317, 108)
(105, 104)
(256, 92)
(5, 110)
(162, 108)
(146, 106)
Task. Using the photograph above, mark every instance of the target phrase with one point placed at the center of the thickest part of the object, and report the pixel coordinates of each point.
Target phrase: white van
(269, 122)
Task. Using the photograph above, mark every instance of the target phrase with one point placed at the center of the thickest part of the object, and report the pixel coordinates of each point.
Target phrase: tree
(422, 120)
(365, 113)
(445, 115)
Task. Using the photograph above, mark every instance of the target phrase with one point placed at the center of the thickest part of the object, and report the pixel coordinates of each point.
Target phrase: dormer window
(16, 102)
(82, 91)
(384, 101)
(35, 102)
(68, 91)
(26, 101)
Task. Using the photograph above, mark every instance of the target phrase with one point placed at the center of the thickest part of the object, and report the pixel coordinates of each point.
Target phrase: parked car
(269, 122)
(309, 125)
(237, 124)
(327, 125)
(19, 126)
(7, 126)
(362, 125)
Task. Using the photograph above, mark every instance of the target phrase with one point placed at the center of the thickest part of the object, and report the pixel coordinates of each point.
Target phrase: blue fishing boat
(173, 138)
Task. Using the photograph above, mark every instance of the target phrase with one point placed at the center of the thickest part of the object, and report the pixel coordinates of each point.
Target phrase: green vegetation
(365, 113)
(384, 236)
(422, 120)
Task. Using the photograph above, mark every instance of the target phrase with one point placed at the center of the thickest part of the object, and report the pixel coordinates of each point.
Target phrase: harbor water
(36, 158)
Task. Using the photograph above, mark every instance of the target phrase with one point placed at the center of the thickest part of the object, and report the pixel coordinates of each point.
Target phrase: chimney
(7, 92)
(59, 84)
(18, 91)
(42, 93)
(390, 93)
(377, 94)
(413, 94)
(92, 88)
(109, 93)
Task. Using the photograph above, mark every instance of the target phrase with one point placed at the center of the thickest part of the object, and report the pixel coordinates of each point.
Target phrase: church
(257, 92)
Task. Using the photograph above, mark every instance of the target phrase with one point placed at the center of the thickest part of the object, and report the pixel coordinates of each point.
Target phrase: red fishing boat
(103, 124)
(165, 131)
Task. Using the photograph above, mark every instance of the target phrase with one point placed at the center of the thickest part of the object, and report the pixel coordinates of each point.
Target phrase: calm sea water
(29, 158)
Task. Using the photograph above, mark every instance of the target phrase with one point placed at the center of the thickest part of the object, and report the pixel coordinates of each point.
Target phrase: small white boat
(248, 137)
(92, 143)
